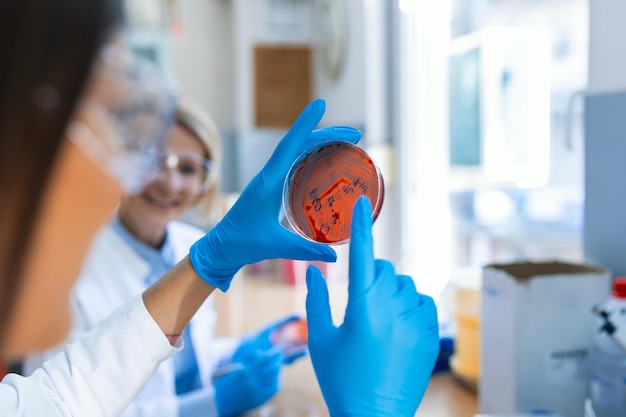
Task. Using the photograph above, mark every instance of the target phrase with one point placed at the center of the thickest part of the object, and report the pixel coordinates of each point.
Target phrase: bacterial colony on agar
(324, 186)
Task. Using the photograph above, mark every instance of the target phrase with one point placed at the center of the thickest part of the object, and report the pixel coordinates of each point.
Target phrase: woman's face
(80, 196)
(176, 188)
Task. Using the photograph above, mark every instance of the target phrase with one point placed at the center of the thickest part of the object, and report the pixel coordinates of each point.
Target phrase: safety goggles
(125, 115)
(190, 169)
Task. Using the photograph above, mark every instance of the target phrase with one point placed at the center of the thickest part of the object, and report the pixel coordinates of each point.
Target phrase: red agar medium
(324, 187)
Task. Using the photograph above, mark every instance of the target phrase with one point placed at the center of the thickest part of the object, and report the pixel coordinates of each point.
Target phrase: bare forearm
(174, 299)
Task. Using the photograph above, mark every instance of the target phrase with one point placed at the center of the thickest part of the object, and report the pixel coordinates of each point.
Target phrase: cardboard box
(536, 327)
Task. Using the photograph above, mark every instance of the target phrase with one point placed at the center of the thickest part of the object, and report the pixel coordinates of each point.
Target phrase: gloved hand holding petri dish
(322, 186)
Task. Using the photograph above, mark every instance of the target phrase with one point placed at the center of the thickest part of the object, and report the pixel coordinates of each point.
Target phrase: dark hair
(48, 48)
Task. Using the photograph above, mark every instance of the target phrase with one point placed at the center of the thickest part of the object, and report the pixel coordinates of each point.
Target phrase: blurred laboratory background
(472, 109)
(491, 121)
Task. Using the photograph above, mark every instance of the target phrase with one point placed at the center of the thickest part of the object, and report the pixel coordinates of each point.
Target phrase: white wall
(607, 46)
(213, 61)
(345, 96)
(203, 57)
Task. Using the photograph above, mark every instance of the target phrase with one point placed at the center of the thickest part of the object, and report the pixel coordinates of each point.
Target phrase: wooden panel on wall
(282, 83)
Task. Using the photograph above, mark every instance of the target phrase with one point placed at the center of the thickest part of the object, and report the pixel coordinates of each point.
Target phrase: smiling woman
(188, 178)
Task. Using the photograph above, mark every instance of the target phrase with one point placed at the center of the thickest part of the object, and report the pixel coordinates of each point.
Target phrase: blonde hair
(193, 118)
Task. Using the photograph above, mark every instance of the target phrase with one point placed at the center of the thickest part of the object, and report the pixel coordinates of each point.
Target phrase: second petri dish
(322, 186)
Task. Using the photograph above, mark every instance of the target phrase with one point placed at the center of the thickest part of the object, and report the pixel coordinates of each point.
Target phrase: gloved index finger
(361, 249)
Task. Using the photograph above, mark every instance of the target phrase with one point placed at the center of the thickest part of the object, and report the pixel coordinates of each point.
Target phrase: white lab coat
(97, 375)
(113, 273)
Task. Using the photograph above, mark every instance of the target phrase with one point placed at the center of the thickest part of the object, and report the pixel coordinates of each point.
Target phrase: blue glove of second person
(251, 386)
(251, 230)
(379, 361)
(262, 340)
(256, 380)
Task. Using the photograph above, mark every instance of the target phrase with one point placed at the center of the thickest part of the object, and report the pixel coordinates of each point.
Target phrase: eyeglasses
(124, 117)
(190, 168)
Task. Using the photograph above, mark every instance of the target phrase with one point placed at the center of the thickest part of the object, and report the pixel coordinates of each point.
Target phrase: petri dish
(322, 186)
(291, 336)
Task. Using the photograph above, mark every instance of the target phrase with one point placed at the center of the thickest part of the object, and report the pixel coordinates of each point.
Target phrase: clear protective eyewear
(190, 168)
(124, 119)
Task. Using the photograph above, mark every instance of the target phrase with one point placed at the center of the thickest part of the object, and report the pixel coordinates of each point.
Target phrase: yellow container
(465, 362)
(464, 300)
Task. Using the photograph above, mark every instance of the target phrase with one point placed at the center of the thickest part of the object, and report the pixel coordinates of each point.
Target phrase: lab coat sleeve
(96, 375)
(200, 402)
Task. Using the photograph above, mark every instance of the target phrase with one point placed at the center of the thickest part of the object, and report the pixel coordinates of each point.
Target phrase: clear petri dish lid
(322, 187)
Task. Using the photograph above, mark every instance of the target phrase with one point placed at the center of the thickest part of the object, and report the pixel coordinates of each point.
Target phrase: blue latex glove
(252, 385)
(251, 231)
(379, 361)
(253, 371)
